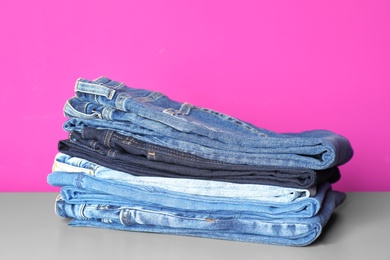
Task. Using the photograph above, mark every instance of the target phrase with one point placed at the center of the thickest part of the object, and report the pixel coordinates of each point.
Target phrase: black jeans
(127, 154)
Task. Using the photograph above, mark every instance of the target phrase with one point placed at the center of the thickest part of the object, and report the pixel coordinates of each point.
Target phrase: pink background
(287, 66)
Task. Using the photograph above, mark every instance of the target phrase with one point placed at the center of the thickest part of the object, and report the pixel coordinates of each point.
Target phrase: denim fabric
(190, 186)
(303, 208)
(234, 225)
(130, 155)
(156, 192)
(216, 136)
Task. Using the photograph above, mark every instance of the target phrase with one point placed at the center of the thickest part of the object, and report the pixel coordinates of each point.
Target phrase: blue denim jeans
(231, 225)
(195, 187)
(155, 118)
(123, 153)
(158, 195)
(217, 192)
(303, 208)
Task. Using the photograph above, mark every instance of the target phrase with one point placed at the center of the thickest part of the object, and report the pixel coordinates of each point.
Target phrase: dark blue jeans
(123, 153)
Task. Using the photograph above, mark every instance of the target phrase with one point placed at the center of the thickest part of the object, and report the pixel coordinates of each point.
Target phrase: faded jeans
(153, 117)
(230, 224)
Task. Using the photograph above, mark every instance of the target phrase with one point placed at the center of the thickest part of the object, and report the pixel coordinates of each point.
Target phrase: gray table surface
(359, 229)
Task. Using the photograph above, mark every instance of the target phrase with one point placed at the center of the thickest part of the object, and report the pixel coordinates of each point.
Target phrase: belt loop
(85, 86)
(107, 138)
(151, 155)
(150, 98)
(185, 109)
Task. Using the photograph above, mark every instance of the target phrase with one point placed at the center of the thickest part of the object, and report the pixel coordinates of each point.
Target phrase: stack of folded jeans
(136, 160)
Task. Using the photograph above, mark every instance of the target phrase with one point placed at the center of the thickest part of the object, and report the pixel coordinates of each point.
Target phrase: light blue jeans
(153, 117)
(231, 225)
(255, 192)
(81, 187)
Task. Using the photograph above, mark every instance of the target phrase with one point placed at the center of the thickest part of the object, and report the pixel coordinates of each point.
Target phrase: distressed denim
(230, 225)
(130, 155)
(200, 131)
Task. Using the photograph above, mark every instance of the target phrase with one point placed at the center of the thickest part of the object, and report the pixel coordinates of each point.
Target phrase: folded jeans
(159, 195)
(118, 152)
(304, 208)
(233, 225)
(214, 135)
(262, 193)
